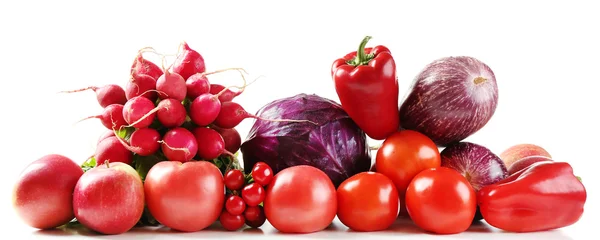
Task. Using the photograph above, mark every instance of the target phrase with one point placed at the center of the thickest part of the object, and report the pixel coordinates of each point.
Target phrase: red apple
(43, 195)
(526, 162)
(109, 198)
(516, 152)
(186, 197)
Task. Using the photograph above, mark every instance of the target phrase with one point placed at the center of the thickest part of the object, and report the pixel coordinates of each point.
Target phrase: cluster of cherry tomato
(243, 203)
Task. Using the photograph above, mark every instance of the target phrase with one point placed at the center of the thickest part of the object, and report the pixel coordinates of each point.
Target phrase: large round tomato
(367, 201)
(441, 200)
(300, 199)
(403, 155)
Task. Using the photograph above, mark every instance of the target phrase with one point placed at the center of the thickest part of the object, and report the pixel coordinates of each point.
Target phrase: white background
(544, 55)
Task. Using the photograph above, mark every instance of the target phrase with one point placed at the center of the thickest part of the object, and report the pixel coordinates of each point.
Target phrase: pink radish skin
(204, 109)
(232, 138)
(197, 85)
(171, 113)
(231, 115)
(189, 62)
(106, 95)
(135, 110)
(145, 141)
(111, 117)
(179, 144)
(105, 135)
(171, 85)
(112, 150)
(142, 66)
(227, 96)
(141, 84)
(210, 143)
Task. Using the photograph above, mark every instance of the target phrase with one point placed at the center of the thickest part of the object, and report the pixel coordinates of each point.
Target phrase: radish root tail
(94, 88)
(154, 110)
(241, 89)
(187, 151)
(126, 145)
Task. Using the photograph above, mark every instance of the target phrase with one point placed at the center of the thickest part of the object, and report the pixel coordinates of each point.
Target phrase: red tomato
(300, 199)
(187, 197)
(403, 155)
(367, 201)
(441, 200)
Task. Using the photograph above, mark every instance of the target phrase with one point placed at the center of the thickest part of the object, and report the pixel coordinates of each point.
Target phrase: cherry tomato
(367, 201)
(403, 155)
(441, 200)
(253, 194)
(231, 222)
(262, 173)
(300, 199)
(255, 216)
(234, 179)
(235, 205)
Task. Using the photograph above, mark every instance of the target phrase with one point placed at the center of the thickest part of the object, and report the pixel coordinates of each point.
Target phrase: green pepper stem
(361, 58)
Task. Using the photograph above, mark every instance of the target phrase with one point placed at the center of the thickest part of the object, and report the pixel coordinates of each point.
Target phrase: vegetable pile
(170, 156)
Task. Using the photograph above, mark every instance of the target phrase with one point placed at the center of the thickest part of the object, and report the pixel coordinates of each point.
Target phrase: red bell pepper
(366, 84)
(543, 196)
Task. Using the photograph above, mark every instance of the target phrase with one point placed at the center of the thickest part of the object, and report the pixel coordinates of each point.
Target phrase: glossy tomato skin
(43, 195)
(403, 155)
(441, 200)
(300, 199)
(186, 197)
(367, 201)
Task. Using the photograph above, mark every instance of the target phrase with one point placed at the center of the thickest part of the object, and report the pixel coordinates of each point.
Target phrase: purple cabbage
(335, 144)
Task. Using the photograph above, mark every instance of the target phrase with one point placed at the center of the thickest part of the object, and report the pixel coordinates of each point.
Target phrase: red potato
(111, 117)
(171, 85)
(197, 85)
(143, 66)
(526, 162)
(141, 84)
(179, 145)
(186, 197)
(111, 149)
(109, 198)
(106, 95)
(231, 137)
(43, 194)
(210, 143)
(188, 62)
(135, 110)
(516, 152)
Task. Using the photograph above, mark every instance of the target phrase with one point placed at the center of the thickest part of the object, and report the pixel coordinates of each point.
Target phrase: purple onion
(450, 99)
(479, 165)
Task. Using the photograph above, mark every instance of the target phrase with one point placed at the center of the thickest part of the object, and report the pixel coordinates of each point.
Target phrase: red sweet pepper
(543, 196)
(366, 84)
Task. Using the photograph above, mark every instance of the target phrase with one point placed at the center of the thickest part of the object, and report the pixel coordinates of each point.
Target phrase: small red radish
(227, 96)
(107, 134)
(231, 136)
(141, 84)
(232, 114)
(197, 85)
(111, 117)
(144, 141)
(210, 143)
(135, 110)
(143, 66)
(171, 113)
(112, 150)
(171, 85)
(189, 62)
(106, 95)
(205, 109)
(179, 144)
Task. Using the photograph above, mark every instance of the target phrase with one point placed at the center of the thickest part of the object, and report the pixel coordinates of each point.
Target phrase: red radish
(210, 143)
(179, 144)
(197, 85)
(171, 85)
(227, 96)
(106, 95)
(171, 113)
(107, 134)
(231, 136)
(111, 117)
(112, 150)
(142, 66)
(205, 109)
(141, 84)
(144, 141)
(189, 62)
(135, 110)
(232, 114)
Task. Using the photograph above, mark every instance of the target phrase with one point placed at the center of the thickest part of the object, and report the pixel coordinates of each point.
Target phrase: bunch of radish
(173, 112)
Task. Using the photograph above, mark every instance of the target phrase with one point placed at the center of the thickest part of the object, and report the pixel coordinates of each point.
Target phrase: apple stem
(106, 162)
